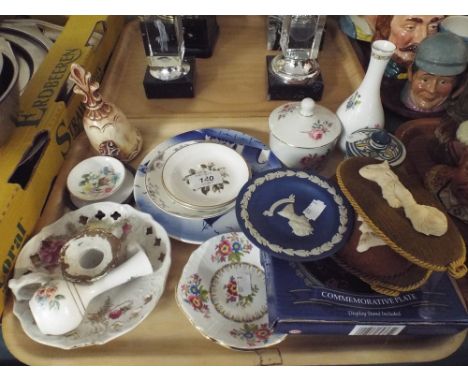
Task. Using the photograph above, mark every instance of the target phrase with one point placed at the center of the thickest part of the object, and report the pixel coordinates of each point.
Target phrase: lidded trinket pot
(107, 127)
(376, 143)
(303, 134)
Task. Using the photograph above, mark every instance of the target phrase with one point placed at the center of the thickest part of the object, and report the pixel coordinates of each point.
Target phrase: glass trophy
(169, 73)
(274, 23)
(295, 72)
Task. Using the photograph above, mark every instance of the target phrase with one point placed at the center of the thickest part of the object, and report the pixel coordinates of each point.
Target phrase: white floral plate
(197, 229)
(120, 196)
(222, 291)
(205, 175)
(162, 199)
(117, 311)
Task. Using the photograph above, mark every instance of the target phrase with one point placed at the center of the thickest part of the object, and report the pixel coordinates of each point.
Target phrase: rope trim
(391, 244)
(457, 269)
(385, 291)
(384, 285)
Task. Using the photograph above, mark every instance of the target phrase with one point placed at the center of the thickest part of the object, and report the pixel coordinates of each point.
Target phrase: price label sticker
(244, 284)
(204, 179)
(314, 209)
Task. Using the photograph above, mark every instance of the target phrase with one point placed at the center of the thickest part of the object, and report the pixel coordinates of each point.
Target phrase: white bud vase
(59, 306)
(364, 108)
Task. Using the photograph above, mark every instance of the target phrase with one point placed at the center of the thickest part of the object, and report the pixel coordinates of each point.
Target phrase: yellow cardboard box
(49, 119)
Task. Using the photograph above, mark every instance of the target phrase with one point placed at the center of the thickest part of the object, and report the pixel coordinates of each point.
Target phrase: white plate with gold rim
(160, 196)
(205, 175)
(222, 292)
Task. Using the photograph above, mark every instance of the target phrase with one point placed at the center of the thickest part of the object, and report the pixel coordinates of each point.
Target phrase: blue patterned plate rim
(195, 231)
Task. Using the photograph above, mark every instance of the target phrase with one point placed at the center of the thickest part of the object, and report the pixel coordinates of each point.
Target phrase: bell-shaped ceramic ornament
(107, 127)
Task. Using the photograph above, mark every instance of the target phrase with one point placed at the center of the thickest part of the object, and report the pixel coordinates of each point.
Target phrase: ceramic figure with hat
(439, 63)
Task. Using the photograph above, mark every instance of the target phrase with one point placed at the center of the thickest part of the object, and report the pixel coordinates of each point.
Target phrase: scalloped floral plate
(112, 313)
(222, 292)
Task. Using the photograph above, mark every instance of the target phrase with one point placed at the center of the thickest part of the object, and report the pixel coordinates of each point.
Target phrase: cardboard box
(321, 298)
(49, 119)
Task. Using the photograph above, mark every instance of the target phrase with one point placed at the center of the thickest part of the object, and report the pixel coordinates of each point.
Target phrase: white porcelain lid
(304, 124)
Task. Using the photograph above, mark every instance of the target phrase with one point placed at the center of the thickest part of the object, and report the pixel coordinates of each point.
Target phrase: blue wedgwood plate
(270, 209)
(192, 230)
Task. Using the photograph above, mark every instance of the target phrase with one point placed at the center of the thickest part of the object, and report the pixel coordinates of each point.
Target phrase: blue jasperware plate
(294, 215)
(197, 230)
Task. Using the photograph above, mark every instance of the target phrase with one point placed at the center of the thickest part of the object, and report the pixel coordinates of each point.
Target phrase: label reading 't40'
(204, 179)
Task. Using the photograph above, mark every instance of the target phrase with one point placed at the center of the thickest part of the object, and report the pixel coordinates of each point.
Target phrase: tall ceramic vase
(107, 127)
(364, 108)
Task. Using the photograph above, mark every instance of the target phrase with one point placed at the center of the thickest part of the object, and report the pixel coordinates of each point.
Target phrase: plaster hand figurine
(406, 32)
(439, 63)
(385, 178)
(107, 127)
(425, 219)
(368, 238)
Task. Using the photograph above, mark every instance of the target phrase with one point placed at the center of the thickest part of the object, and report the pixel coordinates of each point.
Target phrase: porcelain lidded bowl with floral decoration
(303, 134)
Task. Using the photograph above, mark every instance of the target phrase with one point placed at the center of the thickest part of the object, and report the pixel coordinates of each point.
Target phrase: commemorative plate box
(321, 298)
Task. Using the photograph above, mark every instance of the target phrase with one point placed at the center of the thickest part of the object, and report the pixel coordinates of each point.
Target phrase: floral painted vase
(59, 306)
(364, 107)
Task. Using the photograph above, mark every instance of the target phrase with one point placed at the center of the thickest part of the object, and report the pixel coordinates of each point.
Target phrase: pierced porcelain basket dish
(112, 313)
